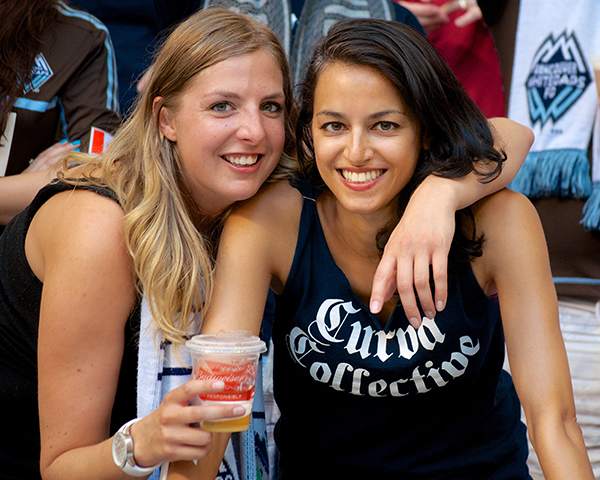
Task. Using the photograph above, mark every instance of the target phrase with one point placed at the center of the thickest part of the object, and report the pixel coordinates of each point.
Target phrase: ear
(165, 119)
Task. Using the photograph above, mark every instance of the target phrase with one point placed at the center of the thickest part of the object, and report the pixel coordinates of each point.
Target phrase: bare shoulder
(79, 225)
(273, 212)
(514, 238)
(503, 213)
(275, 202)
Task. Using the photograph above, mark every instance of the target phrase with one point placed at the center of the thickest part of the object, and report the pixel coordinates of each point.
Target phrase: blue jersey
(362, 400)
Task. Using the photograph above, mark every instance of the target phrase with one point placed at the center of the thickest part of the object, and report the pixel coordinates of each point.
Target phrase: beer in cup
(230, 356)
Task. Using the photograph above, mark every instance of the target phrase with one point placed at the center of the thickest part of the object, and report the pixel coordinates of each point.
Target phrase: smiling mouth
(362, 177)
(242, 160)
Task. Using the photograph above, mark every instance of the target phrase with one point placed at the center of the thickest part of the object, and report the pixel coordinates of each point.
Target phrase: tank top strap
(56, 186)
(308, 190)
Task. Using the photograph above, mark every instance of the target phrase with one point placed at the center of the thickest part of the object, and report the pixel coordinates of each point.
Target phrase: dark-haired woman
(57, 81)
(374, 394)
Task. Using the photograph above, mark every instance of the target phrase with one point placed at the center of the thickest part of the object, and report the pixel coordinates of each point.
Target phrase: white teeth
(361, 177)
(244, 160)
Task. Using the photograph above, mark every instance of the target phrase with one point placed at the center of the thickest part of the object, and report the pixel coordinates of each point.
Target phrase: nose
(358, 149)
(251, 128)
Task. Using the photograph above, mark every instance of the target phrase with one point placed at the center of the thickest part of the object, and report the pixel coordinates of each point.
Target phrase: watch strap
(130, 467)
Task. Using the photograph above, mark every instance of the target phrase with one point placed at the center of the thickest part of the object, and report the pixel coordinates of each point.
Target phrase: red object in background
(99, 139)
(471, 53)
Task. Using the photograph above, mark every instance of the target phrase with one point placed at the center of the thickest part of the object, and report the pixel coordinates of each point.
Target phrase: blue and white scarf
(159, 371)
(553, 92)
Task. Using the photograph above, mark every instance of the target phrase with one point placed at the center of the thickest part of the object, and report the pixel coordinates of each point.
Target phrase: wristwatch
(122, 452)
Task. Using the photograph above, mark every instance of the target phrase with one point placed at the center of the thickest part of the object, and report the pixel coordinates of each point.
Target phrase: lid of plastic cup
(238, 341)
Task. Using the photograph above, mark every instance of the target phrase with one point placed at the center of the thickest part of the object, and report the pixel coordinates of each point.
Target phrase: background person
(56, 83)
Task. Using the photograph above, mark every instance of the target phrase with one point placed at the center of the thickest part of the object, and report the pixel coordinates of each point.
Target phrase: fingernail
(440, 305)
(64, 140)
(414, 321)
(239, 411)
(77, 149)
(76, 142)
(429, 314)
(218, 385)
(375, 307)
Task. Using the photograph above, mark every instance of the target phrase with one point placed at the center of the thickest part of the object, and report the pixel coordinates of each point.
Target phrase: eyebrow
(373, 116)
(235, 96)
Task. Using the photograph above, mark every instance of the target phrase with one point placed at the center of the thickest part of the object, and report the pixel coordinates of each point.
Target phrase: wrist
(123, 452)
(448, 192)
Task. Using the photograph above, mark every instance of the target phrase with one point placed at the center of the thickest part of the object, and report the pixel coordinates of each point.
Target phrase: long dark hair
(456, 133)
(21, 28)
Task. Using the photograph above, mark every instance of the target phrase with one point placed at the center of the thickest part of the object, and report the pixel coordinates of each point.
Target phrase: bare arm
(515, 261)
(424, 234)
(256, 251)
(75, 246)
(17, 191)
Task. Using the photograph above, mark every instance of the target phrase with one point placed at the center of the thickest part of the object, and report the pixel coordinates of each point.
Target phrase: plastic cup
(233, 358)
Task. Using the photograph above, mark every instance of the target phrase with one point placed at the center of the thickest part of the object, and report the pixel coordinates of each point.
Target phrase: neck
(358, 232)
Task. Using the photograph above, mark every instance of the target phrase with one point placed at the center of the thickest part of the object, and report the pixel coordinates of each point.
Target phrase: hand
(168, 434)
(430, 16)
(421, 239)
(143, 82)
(471, 14)
(49, 157)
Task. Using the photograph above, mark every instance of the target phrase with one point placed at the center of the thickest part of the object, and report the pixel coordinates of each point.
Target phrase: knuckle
(439, 275)
(421, 282)
(169, 450)
(404, 286)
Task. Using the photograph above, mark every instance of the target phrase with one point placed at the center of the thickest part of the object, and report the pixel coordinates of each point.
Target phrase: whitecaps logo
(558, 77)
(40, 74)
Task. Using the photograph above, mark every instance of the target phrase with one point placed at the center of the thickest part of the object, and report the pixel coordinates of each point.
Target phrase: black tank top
(20, 295)
(362, 400)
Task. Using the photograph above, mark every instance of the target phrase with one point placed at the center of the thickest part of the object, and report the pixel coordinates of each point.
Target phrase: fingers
(408, 265)
(471, 9)
(440, 278)
(384, 283)
(470, 16)
(49, 157)
(431, 17)
(406, 291)
(422, 285)
(171, 432)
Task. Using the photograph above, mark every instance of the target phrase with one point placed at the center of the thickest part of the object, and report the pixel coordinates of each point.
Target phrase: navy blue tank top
(362, 400)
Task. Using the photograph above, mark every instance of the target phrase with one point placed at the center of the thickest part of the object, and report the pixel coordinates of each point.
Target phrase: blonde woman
(143, 220)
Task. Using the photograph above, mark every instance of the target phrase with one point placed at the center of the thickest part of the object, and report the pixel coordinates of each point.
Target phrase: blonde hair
(173, 261)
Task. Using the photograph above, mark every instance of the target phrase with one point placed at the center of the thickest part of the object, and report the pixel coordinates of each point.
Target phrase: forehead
(355, 84)
(258, 69)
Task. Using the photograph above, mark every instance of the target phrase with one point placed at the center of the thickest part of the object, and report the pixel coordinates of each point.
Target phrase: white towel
(159, 372)
(553, 92)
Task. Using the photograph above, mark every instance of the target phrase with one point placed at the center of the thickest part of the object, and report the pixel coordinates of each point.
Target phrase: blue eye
(221, 107)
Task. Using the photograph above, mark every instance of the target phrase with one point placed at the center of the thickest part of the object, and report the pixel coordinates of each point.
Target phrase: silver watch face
(120, 449)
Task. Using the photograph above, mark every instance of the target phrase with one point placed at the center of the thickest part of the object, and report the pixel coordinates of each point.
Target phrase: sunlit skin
(228, 128)
(366, 140)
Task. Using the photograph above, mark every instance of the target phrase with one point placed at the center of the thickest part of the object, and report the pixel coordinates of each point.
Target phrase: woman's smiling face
(366, 141)
(228, 129)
